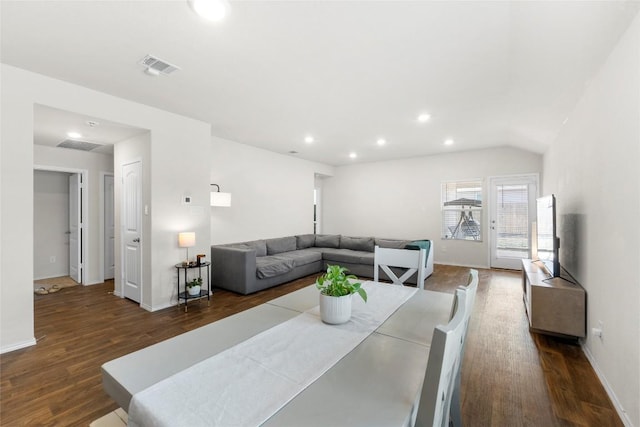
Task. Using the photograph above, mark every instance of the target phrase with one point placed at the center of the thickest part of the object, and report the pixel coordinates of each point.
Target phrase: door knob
(136, 240)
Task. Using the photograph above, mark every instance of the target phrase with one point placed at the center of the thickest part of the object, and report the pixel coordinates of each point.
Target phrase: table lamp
(187, 240)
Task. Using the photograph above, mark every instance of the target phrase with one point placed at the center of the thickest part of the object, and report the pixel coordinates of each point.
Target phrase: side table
(203, 293)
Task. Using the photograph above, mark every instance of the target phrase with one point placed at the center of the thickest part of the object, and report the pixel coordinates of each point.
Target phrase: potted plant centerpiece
(336, 289)
(194, 286)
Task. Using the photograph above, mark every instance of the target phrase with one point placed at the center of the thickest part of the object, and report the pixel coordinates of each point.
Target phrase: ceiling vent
(78, 145)
(156, 66)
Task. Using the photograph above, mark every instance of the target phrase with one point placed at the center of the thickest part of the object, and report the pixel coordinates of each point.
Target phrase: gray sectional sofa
(249, 267)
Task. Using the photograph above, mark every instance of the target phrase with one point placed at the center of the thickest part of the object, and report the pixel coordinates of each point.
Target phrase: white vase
(193, 290)
(335, 310)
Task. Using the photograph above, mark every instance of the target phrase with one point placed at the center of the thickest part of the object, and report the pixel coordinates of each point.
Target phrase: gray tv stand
(554, 306)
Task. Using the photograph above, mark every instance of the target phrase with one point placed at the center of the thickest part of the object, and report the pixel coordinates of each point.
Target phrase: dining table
(374, 384)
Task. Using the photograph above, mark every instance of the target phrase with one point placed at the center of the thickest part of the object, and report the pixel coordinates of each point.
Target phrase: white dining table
(376, 384)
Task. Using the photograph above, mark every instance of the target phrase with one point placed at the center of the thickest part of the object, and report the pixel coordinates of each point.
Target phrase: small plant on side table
(194, 286)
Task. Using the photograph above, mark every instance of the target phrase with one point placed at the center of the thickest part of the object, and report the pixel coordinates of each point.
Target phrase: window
(462, 210)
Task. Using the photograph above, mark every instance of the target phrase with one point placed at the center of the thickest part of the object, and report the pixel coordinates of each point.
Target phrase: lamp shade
(220, 199)
(187, 239)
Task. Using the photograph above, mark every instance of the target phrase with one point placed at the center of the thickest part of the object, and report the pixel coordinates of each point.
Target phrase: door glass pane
(512, 221)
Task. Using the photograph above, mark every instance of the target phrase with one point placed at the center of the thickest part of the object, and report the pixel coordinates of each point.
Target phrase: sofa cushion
(392, 243)
(328, 241)
(305, 241)
(271, 266)
(302, 256)
(259, 246)
(336, 256)
(357, 243)
(281, 244)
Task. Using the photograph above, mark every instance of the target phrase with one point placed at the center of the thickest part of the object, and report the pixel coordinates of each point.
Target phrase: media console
(554, 306)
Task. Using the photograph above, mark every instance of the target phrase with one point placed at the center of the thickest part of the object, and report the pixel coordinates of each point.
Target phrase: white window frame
(469, 218)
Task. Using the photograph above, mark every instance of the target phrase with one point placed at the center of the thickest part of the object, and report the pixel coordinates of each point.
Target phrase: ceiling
(52, 125)
(490, 73)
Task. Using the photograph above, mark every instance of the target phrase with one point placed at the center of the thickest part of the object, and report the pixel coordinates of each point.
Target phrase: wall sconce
(187, 240)
(220, 199)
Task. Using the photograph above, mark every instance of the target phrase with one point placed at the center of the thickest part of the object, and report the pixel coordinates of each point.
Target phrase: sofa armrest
(234, 269)
(429, 267)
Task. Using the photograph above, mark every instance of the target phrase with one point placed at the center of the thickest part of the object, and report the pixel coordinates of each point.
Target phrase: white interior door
(75, 227)
(109, 229)
(132, 230)
(513, 209)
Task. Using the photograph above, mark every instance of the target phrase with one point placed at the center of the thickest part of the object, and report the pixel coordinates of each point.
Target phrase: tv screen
(547, 241)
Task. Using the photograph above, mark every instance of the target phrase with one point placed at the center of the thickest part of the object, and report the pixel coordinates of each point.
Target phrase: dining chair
(434, 401)
(411, 260)
(456, 403)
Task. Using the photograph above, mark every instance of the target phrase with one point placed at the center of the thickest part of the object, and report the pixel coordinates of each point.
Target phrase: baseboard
(18, 346)
(614, 399)
(146, 307)
(482, 267)
(163, 306)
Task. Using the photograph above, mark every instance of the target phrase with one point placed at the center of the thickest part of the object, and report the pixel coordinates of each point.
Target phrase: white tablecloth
(248, 383)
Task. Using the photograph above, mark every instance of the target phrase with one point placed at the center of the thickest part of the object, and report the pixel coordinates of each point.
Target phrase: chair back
(456, 402)
(411, 260)
(435, 399)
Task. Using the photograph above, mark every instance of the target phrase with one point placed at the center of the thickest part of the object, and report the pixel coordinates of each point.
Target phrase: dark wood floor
(510, 376)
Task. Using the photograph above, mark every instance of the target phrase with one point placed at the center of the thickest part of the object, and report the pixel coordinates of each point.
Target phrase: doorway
(60, 208)
(512, 210)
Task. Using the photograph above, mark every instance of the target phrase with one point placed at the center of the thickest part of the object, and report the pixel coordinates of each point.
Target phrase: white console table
(554, 306)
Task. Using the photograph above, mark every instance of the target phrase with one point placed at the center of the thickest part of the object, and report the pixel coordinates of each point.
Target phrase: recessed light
(211, 10)
(424, 117)
(352, 155)
(448, 142)
(73, 134)
(381, 142)
(308, 139)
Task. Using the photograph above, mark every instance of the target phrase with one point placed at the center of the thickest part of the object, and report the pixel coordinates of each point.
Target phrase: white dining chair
(456, 403)
(434, 401)
(411, 260)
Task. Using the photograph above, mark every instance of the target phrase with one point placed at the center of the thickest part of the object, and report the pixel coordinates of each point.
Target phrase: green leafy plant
(336, 283)
(195, 282)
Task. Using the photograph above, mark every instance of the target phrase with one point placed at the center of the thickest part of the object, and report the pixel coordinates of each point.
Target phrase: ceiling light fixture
(381, 142)
(308, 139)
(448, 142)
(352, 155)
(74, 134)
(211, 10)
(424, 117)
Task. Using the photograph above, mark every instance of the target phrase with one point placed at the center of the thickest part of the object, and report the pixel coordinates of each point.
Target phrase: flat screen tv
(547, 241)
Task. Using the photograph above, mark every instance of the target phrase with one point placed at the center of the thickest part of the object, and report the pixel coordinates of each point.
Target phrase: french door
(512, 212)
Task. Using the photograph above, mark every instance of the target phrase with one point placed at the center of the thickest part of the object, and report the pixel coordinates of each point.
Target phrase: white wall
(95, 164)
(401, 198)
(50, 224)
(271, 194)
(593, 170)
(176, 142)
